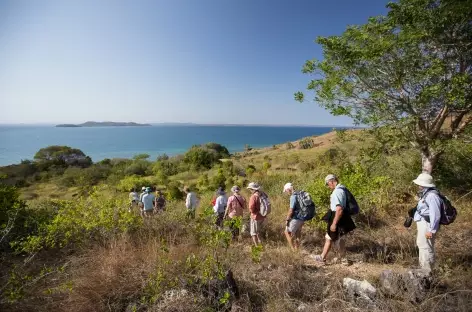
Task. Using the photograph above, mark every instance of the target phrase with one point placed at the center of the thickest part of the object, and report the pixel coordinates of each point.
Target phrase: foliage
(250, 169)
(306, 143)
(409, 70)
(218, 180)
(174, 192)
(63, 155)
(130, 182)
(12, 213)
(141, 156)
(138, 167)
(204, 156)
(289, 145)
(266, 166)
(85, 220)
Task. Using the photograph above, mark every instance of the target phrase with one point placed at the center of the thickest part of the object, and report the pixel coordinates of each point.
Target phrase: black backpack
(351, 202)
(448, 211)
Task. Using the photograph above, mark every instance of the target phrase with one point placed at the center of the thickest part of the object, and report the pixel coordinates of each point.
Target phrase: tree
(62, 155)
(408, 72)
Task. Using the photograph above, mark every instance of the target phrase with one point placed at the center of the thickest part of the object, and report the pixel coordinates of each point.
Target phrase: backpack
(160, 201)
(351, 203)
(307, 206)
(448, 211)
(265, 206)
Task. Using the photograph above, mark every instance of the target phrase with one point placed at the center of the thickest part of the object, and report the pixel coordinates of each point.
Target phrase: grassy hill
(86, 252)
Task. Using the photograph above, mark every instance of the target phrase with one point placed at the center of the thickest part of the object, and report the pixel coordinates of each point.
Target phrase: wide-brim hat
(254, 186)
(235, 189)
(424, 180)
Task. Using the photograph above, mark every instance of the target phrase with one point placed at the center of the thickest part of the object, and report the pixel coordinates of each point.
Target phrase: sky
(205, 61)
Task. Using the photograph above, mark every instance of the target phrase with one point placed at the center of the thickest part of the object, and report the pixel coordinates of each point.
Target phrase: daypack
(307, 206)
(351, 203)
(265, 206)
(448, 211)
(160, 201)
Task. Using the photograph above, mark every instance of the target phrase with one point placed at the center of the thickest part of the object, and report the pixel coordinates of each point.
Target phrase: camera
(409, 218)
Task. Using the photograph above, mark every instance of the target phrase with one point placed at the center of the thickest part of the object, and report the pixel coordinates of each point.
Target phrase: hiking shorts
(256, 226)
(294, 227)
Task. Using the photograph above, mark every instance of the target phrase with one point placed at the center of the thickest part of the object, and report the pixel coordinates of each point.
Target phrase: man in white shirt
(190, 203)
(148, 202)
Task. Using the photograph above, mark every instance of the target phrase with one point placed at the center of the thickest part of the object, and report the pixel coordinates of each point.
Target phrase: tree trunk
(428, 161)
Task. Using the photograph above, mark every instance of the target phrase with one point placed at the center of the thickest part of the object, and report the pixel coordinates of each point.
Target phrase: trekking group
(432, 210)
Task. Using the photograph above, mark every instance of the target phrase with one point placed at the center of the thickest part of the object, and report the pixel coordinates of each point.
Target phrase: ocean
(22, 142)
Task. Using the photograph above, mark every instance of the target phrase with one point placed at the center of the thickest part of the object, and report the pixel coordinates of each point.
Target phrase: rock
(413, 284)
(175, 294)
(361, 289)
(302, 307)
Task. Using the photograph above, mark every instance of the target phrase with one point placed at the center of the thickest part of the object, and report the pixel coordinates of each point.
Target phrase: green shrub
(130, 182)
(98, 217)
(138, 167)
(204, 156)
(250, 169)
(174, 191)
(306, 143)
(266, 166)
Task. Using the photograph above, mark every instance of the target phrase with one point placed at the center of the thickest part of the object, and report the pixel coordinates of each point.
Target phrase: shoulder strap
(238, 201)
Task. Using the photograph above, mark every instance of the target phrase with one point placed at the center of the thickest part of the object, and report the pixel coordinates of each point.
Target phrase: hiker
(140, 202)
(148, 203)
(190, 203)
(294, 224)
(133, 199)
(427, 218)
(220, 206)
(160, 202)
(235, 210)
(257, 216)
(338, 219)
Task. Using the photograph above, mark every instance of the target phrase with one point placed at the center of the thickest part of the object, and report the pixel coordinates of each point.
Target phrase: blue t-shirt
(295, 206)
(338, 198)
(148, 201)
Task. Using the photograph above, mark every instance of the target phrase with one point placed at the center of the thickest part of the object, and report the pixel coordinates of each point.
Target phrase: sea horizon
(21, 142)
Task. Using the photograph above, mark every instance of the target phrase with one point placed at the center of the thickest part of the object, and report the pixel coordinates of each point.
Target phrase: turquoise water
(22, 142)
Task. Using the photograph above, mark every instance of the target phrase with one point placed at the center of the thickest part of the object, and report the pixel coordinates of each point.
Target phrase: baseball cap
(330, 177)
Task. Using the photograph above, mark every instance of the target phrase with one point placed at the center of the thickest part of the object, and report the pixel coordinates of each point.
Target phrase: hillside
(86, 252)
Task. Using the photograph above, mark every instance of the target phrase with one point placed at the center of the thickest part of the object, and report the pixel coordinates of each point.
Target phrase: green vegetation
(408, 73)
(70, 240)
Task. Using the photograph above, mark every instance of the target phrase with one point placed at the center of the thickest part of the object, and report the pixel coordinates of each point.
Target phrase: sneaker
(318, 259)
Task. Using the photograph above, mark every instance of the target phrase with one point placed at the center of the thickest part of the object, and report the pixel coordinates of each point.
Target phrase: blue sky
(205, 61)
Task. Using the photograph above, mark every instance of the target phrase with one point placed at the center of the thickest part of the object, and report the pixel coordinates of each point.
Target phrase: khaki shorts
(295, 227)
(256, 227)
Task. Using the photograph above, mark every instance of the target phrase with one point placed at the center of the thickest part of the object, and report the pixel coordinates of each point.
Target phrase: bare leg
(326, 248)
(289, 237)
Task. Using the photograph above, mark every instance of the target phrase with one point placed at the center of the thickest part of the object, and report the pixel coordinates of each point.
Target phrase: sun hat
(220, 191)
(235, 189)
(143, 188)
(148, 189)
(424, 180)
(253, 186)
(330, 177)
(288, 186)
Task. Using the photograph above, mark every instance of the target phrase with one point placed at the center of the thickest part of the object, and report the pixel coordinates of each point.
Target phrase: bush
(12, 214)
(131, 182)
(138, 167)
(174, 192)
(204, 156)
(266, 166)
(306, 143)
(98, 217)
(250, 170)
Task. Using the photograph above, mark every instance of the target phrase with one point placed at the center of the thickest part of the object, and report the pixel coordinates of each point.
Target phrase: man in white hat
(338, 219)
(427, 217)
(257, 219)
(293, 229)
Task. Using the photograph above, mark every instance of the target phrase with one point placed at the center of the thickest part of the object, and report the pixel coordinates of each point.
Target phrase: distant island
(103, 124)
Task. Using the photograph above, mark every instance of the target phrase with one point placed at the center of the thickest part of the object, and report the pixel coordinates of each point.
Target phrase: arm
(252, 204)
(293, 201)
(434, 204)
(230, 200)
(217, 204)
(187, 201)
